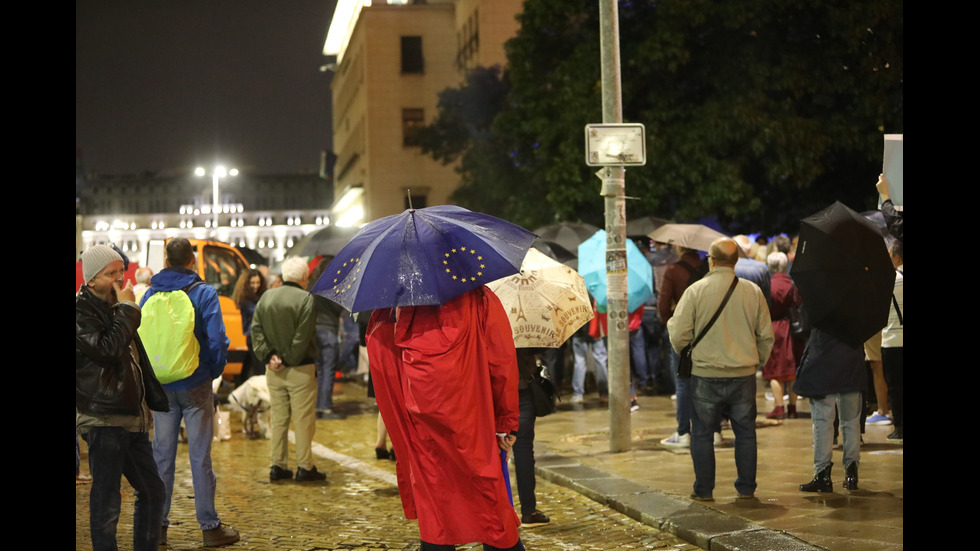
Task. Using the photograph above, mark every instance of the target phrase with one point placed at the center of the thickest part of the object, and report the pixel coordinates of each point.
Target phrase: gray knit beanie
(95, 258)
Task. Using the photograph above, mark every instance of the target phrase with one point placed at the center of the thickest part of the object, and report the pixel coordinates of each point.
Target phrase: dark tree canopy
(757, 113)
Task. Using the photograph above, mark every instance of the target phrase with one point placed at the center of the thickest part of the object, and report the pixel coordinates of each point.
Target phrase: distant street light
(217, 173)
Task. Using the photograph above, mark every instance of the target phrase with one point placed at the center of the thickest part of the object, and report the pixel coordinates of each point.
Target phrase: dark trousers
(524, 453)
(114, 452)
(892, 364)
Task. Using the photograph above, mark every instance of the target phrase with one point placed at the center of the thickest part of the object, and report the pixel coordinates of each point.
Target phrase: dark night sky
(171, 84)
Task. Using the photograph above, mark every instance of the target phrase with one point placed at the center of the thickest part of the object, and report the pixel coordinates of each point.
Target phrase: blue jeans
(638, 357)
(196, 407)
(524, 453)
(326, 367)
(682, 388)
(112, 453)
(580, 346)
(848, 408)
(714, 398)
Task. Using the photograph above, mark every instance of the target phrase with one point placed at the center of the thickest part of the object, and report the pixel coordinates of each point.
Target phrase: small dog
(252, 397)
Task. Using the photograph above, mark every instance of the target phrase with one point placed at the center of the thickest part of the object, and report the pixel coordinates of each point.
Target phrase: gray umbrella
(324, 241)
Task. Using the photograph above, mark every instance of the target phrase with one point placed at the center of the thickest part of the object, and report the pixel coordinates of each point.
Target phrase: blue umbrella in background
(592, 267)
(422, 257)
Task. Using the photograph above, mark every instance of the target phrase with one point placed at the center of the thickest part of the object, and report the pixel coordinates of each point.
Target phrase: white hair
(777, 262)
(294, 269)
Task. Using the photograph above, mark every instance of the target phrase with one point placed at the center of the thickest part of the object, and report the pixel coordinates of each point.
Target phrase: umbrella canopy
(546, 302)
(324, 241)
(422, 257)
(569, 235)
(690, 236)
(554, 251)
(592, 265)
(252, 256)
(644, 225)
(844, 273)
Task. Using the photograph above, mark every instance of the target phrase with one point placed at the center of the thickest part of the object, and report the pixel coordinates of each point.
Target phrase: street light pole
(217, 173)
(614, 192)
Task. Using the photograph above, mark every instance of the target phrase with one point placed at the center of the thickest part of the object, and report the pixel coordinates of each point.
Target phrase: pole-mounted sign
(621, 144)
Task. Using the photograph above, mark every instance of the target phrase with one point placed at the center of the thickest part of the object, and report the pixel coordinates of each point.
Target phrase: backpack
(167, 332)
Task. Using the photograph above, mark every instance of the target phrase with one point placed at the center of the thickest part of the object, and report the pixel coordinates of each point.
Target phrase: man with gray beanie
(115, 389)
(284, 340)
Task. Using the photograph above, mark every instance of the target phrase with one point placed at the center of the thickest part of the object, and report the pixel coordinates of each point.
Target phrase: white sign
(615, 145)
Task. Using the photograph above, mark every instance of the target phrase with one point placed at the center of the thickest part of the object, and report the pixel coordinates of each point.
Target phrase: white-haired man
(284, 339)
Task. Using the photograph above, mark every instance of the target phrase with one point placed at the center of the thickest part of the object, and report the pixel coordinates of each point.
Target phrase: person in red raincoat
(445, 379)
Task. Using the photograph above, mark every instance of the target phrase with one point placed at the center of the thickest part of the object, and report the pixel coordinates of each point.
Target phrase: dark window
(417, 202)
(412, 121)
(412, 61)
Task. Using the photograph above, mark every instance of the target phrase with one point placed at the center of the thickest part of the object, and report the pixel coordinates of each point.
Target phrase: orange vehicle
(219, 265)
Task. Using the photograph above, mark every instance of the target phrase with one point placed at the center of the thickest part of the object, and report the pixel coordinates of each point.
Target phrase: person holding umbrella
(843, 271)
(443, 363)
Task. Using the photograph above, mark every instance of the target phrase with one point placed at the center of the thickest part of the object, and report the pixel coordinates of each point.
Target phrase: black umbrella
(569, 235)
(844, 273)
(253, 257)
(324, 241)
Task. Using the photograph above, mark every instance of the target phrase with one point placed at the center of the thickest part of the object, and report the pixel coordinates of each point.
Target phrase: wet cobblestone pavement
(358, 508)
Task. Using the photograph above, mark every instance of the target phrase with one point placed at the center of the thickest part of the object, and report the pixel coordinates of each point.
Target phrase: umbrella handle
(506, 471)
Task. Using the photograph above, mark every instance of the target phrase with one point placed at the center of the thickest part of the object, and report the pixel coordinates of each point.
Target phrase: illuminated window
(412, 121)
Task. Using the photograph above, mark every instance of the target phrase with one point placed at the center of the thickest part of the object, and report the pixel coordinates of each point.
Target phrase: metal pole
(614, 192)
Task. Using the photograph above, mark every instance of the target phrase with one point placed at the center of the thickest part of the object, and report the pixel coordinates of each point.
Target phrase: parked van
(219, 265)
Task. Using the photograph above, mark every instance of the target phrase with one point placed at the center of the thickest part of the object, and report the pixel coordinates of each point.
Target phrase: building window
(412, 121)
(412, 61)
(415, 202)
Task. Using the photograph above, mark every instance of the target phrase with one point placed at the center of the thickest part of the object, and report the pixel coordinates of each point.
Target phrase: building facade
(263, 212)
(392, 61)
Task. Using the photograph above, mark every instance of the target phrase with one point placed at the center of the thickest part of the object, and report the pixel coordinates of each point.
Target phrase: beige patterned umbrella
(546, 302)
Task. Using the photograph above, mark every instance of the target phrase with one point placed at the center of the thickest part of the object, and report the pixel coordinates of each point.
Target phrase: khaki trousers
(292, 393)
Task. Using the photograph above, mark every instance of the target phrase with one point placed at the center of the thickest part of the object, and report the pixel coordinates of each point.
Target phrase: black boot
(821, 482)
(851, 476)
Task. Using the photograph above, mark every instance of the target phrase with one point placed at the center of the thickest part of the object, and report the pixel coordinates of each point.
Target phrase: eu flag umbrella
(422, 257)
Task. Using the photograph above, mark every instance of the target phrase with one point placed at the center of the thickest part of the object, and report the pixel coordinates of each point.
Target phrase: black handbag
(799, 323)
(542, 390)
(686, 364)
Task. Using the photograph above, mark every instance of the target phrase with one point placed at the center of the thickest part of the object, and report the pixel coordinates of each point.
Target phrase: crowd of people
(299, 343)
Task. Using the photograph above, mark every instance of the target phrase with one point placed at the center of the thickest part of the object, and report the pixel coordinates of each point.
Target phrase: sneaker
(718, 439)
(896, 435)
(220, 535)
(311, 475)
(577, 399)
(634, 406)
(878, 419)
(696, 497)
(677, 441)
(536, 518)
(278, 473)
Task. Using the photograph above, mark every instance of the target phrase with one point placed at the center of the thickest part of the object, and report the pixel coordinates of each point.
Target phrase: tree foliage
(757, 113)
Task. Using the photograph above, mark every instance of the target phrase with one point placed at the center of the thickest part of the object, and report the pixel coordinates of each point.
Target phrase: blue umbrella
(592, 265)
(422, 257)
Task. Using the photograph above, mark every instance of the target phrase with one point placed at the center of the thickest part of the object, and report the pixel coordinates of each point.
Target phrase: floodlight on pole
(217, 173)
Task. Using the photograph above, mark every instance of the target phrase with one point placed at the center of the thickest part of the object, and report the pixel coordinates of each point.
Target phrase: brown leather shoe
(220, 535)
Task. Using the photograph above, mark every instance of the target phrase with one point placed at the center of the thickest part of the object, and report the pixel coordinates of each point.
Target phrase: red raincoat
(445, 378)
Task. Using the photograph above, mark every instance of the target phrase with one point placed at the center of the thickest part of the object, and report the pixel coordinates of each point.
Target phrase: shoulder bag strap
(717, 313)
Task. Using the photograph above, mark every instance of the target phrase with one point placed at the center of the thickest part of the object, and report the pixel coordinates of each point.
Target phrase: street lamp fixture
(217, 173)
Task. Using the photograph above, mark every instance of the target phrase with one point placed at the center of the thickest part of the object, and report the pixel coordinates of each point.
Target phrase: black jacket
(107, 381)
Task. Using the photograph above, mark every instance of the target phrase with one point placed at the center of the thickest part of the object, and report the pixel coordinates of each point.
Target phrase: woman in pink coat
(780, 370)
